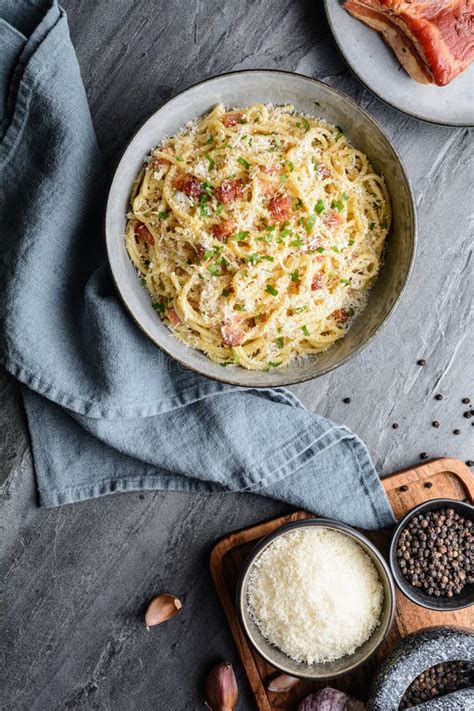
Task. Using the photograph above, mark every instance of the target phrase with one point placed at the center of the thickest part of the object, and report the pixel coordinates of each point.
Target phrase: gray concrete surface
(76, 578)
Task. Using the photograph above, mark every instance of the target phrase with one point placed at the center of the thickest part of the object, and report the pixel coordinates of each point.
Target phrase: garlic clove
(281, 683)
(161, 608)
(221, 688)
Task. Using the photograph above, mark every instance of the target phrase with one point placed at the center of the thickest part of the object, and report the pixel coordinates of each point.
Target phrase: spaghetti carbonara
(258, 232)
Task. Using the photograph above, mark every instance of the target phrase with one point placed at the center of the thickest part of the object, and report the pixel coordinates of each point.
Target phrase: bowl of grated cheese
(316, 598)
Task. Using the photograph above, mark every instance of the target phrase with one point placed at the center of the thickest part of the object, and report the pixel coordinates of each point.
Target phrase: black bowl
(457, 602)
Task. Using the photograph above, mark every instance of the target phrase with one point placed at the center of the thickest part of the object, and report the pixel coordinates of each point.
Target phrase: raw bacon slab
(433, 39)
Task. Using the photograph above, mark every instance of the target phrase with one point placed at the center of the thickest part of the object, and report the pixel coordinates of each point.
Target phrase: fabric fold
(107, 410)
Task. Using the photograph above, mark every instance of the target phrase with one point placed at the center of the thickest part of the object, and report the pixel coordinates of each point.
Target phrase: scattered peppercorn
(424, 455)
(468, 414)
(457, 432)
(428, 484)
(422, 361)
(395, 425)
(435, 423)
(404, 488)
(470, 463)
(434, 552)
(438, 396)
(346, 400)
(466, 400)
(437, 681)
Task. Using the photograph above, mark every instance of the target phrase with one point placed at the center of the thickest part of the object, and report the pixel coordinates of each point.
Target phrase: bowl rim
(321, 523)
(413, 227)
(402, 584)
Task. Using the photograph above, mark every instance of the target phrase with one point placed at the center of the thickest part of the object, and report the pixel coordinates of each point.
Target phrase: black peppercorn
(435, 423)
(422, 361)
(424, 455)
(470, 463)
(457, 432)
(428, 484)
(438, 396)
(467, 414)
(395, 425)
(346, 400)
(404, 488)
(466, 400)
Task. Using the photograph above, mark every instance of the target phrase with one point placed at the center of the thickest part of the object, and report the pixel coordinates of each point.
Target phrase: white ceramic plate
(310, 97)
(375, 64)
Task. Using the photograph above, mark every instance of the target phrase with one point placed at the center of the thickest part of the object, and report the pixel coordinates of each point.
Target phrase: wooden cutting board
(441, 478)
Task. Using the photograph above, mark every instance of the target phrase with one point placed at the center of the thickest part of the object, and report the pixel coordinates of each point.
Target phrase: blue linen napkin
(107, 410)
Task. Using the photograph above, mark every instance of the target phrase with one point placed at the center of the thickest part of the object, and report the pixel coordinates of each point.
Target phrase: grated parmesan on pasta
(315, 594)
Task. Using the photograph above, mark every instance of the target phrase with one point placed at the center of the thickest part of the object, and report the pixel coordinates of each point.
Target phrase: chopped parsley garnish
(320, 250)
(250, 141)
(253, 258)
(203, 211)
(345, 197)
(344, 281)
(305, 330)
(214, 270)
(319, 207)
(315, 164)
(280, 342)
(243, 162)
(301, 309)
(219, 208)
(372, 225)
(180, 158)
(239, 307)
(335, 249)
(273, 364)
(298, 242)
(207, 186)
(241, 236)
(383, 225)
(339, 133)
(351, 242)
(208, 254)
(298, 204)
(306, 124)
(236, 357)
(310, 223)
(286, 233)
(350, 311)
(295, 276)
(289, 165)
(271, 290)
(298, 124)
(283, 178)
(225, 292)
(163, 215)
(159, 306)
(210, 140)
(242, 120)
(270, 228)
(210, 160)
(337, 205)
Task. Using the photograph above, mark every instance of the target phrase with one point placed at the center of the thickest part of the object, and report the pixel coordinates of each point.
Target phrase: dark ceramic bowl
(323, 670)
(457, 602)
(310, 97)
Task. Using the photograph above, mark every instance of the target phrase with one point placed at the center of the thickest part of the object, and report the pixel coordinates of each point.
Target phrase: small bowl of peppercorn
(432, 555)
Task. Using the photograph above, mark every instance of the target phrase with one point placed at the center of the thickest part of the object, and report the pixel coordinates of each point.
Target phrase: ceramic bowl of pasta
(260, 228)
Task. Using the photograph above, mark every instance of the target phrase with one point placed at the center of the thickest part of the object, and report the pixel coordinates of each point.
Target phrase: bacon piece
(267, 188)
(432, 39)
(280, 207)
(324, 172)
(142, 232)
(232, 332)
(173, 317)
(188, 184)
(231, 119)
(158, 161)
(332, 219)
(223, 229)
(230, 190)
(341, 315)
(319, 281)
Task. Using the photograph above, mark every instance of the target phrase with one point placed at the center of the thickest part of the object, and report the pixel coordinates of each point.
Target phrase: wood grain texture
(446, 478)
(76, 579)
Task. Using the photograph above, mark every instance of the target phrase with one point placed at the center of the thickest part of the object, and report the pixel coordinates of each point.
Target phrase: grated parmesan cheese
(315, 594)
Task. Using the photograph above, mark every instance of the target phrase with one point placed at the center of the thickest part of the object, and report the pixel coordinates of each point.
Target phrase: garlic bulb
(330, 700)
